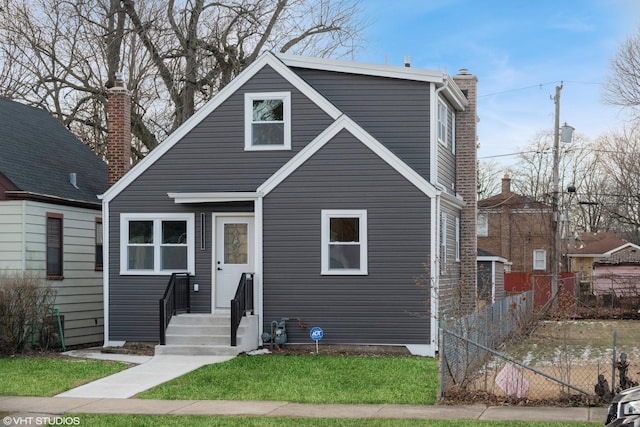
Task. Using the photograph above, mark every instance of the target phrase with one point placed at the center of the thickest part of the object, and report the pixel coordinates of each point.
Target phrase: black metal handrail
(241, 304)
(176, 299)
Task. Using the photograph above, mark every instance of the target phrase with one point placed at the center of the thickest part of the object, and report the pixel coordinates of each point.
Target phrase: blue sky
(520, 50)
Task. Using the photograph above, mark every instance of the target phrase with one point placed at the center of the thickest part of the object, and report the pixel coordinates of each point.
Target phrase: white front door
(233, 256)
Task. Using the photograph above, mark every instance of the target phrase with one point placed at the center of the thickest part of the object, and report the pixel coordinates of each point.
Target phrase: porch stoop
(208, 335)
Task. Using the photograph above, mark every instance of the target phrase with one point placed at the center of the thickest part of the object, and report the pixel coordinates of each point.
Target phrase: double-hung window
(267, 121)
(344, 242)
(54, 246)
(539, 259)
(157, 244)
(443, 114)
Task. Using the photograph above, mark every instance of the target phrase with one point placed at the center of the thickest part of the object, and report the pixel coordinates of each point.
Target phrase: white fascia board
(492, 259)
(454, 95)
(451, 200)
(105, 272)
(363, 136)
(181, 198)
(266, 58)
(620, 248)
(352, 67)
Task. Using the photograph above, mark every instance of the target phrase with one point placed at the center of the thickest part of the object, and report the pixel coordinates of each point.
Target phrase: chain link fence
(506, 352)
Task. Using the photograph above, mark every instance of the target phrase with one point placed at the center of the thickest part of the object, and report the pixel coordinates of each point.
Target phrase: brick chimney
(119, 126)
(466, 185)
(506, 185)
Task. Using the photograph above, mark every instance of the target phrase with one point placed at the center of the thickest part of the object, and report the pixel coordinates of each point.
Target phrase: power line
(540, 85)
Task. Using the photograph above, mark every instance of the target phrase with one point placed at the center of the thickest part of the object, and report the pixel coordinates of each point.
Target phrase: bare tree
(175, 55)
(489, 175)
(623, 87)
(622, 168)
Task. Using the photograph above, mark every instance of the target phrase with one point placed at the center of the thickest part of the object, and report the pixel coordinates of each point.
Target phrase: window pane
(174, 232)
(140, 231)
(174, 258)
(54, 246)
(235, 244)
(140, 258)
(268, 134)
(344, 230)
(98, 233)
(268, 110)
(344, 257)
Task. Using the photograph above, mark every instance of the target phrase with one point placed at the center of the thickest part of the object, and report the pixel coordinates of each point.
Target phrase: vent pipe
(407, 61)
(73, 179)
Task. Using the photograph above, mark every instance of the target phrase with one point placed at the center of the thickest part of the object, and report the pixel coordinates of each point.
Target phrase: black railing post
(163, 315)
(174, 301)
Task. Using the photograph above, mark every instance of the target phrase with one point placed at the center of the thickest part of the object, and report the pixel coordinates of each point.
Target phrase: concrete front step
(197, 350)
(206, 334)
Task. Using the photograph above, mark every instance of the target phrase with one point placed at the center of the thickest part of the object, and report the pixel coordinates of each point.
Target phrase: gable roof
(511, 200)
(38, 154)
(281, 68)
(344, 122)
(603, 248)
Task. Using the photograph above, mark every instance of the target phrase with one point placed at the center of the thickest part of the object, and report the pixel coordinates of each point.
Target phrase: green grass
(309, 379)
(48, 376)
(195, 421)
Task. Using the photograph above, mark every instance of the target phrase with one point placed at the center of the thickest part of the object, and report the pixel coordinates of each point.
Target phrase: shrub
(26, 306)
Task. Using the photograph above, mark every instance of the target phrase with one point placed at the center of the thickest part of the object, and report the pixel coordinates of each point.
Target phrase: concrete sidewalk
(24, 407)
(112, 395)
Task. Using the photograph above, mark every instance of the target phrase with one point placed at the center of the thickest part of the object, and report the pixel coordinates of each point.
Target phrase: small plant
(26, 304)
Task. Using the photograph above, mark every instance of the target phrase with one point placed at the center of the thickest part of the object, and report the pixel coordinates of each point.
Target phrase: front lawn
(309, 379)
(48, 376)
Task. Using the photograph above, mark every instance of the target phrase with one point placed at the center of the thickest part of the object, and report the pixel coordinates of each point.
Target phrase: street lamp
(565, 134)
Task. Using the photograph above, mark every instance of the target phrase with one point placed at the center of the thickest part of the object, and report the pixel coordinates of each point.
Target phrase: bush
(26, 306)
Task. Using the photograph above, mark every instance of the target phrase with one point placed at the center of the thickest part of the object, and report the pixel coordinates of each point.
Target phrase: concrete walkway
(113, 395)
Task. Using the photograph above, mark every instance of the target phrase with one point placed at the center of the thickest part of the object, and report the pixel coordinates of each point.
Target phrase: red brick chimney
(466, 185)
(119, 126)
(506, 185)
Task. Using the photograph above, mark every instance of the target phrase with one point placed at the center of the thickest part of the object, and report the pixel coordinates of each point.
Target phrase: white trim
(434, 276)
(180, 198)
(535, 260)
(457, 234)
(393, 71)
(326, 215)
(493, 258)
(105, 271)
(442, 121)
(345, 123)
(453, 132)
(258, 256)
(157, 219)
(265, 59)
(214, 249)
(249, 97)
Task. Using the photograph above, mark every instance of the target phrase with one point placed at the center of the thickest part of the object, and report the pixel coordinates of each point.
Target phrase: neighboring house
(491, 269)
(516, 228)
(50, 216)
(333, 182)
(606, 265)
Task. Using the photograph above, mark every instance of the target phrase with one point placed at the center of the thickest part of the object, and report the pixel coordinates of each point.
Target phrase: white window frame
(539, 259)
(482, 229)
(443, 114)
(157, 219)
(453, 131)
(457, 239)
(285, 97)
(326, 216)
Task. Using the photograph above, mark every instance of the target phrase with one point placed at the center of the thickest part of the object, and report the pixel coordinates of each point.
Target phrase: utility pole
(555, 219)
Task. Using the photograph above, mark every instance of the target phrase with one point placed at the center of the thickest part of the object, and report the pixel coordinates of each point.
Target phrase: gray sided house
(50, 215)
(330, 182)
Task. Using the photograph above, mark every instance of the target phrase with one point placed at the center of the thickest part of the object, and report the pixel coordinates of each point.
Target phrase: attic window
(267, 121)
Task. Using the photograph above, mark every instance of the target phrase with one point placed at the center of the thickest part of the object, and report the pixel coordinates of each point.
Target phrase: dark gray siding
(210, 158)
(384, 307)
(450, 274)
(396, 112)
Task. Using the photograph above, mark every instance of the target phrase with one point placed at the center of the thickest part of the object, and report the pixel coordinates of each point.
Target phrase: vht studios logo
(41, 421)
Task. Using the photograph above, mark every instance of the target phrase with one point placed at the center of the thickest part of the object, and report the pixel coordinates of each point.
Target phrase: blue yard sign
(316, 334)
